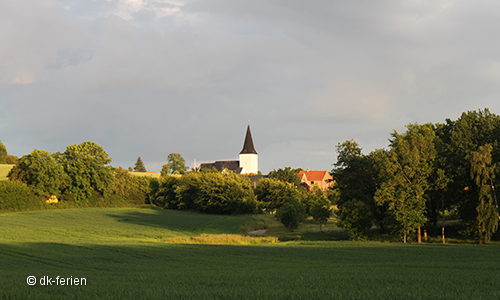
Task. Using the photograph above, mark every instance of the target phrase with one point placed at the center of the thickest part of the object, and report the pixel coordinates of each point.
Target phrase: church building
(248, 163)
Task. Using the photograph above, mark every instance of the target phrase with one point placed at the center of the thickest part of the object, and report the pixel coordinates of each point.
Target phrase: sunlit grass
(147, 174)
(112, 225)
(223, 239)
(4, 170)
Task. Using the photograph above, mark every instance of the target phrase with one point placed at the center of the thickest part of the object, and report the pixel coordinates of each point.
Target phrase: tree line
(82, 176)
(427, 170)
(209, 191)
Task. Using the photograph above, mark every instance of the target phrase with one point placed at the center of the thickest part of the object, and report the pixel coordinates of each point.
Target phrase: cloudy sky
(151, 77)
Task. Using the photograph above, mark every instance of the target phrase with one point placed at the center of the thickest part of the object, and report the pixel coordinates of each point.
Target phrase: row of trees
(175, 165)
(80, 173)
(427, 169)
(209, 191)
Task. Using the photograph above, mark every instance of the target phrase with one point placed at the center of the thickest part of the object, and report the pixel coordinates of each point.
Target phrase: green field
(122, 254)
(4, 170)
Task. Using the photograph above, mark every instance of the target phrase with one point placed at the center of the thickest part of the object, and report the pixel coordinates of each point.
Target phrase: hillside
(112, 225)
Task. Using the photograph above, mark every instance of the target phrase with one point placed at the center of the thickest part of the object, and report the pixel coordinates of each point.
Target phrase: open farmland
(4, 170)
(146, 174)
(122, 253)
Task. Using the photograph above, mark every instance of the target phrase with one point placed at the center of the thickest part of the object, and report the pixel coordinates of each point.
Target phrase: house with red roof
(321, 179)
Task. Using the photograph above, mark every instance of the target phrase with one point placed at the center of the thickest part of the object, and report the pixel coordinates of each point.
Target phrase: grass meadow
(124, 253)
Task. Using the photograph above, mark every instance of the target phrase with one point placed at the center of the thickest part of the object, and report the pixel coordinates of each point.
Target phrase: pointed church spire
(248, 144)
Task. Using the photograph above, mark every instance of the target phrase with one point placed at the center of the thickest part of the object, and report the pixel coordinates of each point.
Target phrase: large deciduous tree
(408, 171)
(286, 175)
(40, 171)
(175, 165)
(87, 166)
(355, 185)
(458, 140)
(483, 174)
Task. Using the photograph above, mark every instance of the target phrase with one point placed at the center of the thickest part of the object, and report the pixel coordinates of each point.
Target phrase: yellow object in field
(52, 199)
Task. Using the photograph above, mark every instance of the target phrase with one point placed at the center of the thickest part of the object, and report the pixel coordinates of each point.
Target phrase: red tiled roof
(315, 175)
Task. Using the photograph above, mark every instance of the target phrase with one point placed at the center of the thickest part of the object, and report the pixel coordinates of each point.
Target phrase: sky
(152, 77)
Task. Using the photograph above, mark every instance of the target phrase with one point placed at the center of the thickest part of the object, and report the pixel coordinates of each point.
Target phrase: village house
(320, 179)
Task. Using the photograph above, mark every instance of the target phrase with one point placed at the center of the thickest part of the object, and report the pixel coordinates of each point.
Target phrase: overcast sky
(148, 78)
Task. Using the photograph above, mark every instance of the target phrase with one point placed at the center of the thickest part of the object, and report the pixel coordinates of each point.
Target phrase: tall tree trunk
(419, 236)
(480, 236)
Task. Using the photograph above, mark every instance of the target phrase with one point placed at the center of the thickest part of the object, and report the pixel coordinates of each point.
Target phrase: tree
(86, 165)
(286, 175)
(40, 171)
(321, 213)
(211, 192)
(272, 194)
(175, 165)
(483, 174)
(355, 186)
(291, 214)
(408, 169)
(139, 165)
(11, 159)
(457, 139)
(3, 153)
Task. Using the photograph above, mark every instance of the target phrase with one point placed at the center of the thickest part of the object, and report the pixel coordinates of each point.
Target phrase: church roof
(248, 144)
(231, 165)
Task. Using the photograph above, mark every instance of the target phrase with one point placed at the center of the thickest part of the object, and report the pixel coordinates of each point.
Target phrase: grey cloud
(307, 75)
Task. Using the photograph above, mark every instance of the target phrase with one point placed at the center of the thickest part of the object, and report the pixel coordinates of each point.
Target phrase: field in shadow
(301, 270)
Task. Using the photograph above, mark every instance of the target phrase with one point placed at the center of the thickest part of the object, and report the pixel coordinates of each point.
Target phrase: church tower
(249, 159)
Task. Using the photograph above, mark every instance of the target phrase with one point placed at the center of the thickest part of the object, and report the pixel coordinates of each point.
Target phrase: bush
(16, 196)
(132, 189)
(291, 214)
(165, 196)
(214, 193)
(355, 218)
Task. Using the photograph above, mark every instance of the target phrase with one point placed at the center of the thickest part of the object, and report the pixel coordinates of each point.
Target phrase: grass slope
(4, 170)
(111, 225)
(121, 254)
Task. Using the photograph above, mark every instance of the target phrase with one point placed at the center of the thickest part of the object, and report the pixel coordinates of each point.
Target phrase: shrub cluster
(16, 196)
(219, 193)
(207, 192)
